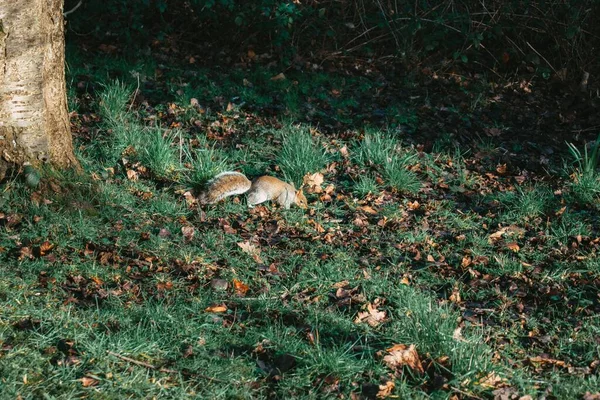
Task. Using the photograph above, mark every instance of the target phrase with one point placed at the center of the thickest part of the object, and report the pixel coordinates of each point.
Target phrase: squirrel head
(301, 199)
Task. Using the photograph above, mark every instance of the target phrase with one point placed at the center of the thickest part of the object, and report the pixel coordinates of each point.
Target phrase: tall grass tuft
(376, 148)
(206, 163)
(300, 154)
(586, 179)
(157, 152)
(113, 103)
(399, 177)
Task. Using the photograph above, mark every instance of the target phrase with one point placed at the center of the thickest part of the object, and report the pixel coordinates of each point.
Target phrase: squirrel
(262, 189)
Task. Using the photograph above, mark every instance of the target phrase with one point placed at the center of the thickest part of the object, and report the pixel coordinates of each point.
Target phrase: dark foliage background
(554, 37)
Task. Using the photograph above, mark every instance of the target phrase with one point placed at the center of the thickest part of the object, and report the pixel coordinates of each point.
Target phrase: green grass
(376, 148)
(206, 163)
(158, 153)
(414, 235)
(585, 184)
(300, 153)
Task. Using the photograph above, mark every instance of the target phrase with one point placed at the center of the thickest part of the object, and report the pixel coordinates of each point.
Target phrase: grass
(300, 153)
(586, 180)
(106, 294)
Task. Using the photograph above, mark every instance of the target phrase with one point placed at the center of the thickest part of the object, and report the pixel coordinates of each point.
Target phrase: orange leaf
(216, 309)
(414, 205)
(368, 210)
(240, 287)
(513, 246)
(86, 381)
(385, 390)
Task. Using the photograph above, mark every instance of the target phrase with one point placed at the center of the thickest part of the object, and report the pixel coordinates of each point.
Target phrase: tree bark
(34, 120)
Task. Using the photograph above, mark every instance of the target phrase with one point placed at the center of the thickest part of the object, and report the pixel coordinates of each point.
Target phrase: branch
(73, 9)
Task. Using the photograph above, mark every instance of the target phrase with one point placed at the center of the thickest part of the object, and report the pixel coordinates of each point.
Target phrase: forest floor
(449, 250)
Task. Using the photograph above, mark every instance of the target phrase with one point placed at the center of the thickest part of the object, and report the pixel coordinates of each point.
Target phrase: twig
(471, 395)
(164, 370)
(73, 9)
(543, 58)
(137, 89)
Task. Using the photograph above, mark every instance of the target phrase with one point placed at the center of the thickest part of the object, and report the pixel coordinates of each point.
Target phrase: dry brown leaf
(87, 381)
(251, 249)
(400, 355)
(414, 205)
(344, 151)
(542, 361)
(494, 237)
(216, 309)
(341, 284)
(492, 380)
(358, 221)
(513, 246)
(189, 198)
(132, 175)
(368, 210)
(455, 296)
(385, 390)
(278, 77)
(188, 233)
(312, 182)
(240, 287)
(372, 316)
(466, 261)
(501, 169)
(45, 248)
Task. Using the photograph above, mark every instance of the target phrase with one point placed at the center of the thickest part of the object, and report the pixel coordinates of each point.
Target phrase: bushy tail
(224, 185)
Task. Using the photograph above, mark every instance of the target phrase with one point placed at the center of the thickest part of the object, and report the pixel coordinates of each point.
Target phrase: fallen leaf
(45, 248)
(368, 210)
(216, 309)
(513, 246)
(87, 381)
(372, 316)
(491, 380)
(251, 250)
(132, 175)
(188, 233)
(312, 182)
(344, 151)
(240, 287)
(189, 198)
(400, 355)
(385, 390)
(455, 296)
(278, 77)
(413, 206)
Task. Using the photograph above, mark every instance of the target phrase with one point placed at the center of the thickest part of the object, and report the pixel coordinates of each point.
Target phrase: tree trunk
(34, 120)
